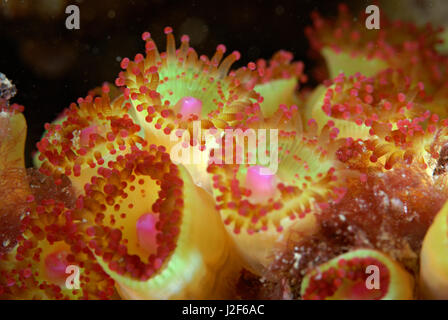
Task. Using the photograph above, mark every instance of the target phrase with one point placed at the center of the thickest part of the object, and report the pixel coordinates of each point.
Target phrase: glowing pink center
(55, 265)
(188, 106)
(84, 137)
(147, 232)
(262, 186)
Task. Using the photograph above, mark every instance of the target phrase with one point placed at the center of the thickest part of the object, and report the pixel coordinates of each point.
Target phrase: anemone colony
(361, 179)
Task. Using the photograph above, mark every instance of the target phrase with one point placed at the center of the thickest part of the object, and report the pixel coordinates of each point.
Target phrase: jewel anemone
(259, 205)
(418, 141)
(155, 232)
(33, 253)
(348, 47)
(37, 267)
(347, 277)
(354, 103)
(433, 259)
(86, 136)
(276, 80)
(171, 90)
(383, 118)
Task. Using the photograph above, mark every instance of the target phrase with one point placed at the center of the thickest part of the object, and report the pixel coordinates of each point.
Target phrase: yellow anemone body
(434, 258)
(400, 286)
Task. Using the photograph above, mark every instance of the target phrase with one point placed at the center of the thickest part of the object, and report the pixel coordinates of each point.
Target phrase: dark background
(52, 66)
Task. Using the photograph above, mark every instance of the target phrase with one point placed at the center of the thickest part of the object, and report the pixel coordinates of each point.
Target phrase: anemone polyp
(188, 107)
(87, 136)
(36, 267)
(163, 86)
(348, 206)
(347, 48)
(418, 141)
(387, 114)
(359, 274)
(354, 103)
(261, 185)
(433, 259)
(373, 213)
(259, 209)
(154, 232)
(19, 255)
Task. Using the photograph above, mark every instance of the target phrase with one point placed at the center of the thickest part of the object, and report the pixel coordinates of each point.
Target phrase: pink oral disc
(147, 232)
(55, 265)
(85, 134)
(188, 106)
(262, 186)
